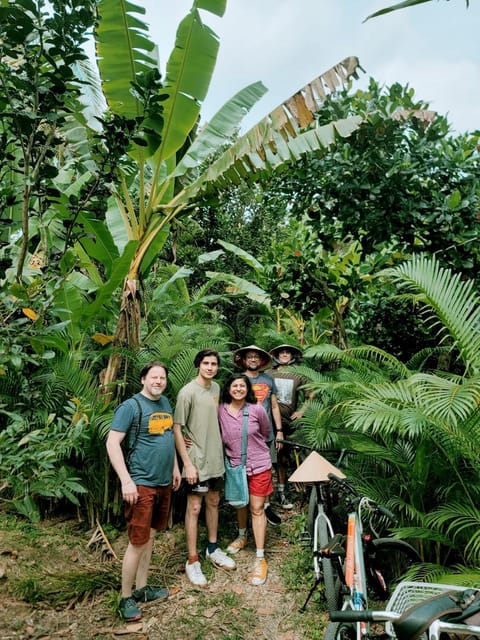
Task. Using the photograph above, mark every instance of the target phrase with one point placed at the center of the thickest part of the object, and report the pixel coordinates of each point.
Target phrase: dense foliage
(132, 235)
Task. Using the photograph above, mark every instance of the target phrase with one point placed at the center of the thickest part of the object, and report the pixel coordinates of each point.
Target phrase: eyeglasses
(252, 357)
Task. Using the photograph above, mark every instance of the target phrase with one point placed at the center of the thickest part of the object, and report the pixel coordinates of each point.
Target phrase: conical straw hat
(315, 468)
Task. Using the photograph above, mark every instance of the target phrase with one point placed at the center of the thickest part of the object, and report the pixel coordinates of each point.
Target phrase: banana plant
(169, 157)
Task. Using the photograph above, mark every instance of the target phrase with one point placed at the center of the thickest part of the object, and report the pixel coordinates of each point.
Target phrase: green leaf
(181, 273)
(454, 199)
(241, 286)
(244, 255)
(221, 127)
(214, 6)
(396, 7)
(210, 256)
(123, 50)
(189, 72)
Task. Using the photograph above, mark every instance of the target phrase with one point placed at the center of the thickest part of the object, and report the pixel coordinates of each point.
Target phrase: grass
(49, 565)
(297, 573)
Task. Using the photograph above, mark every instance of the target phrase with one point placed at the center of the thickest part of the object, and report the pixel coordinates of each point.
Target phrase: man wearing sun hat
(287, 384)
(252, 360)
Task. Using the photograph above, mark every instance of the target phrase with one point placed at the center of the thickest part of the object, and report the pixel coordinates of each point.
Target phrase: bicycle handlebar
(297, 445)
(344, 484)
(386, 512)
(294, 445)
(363, 615)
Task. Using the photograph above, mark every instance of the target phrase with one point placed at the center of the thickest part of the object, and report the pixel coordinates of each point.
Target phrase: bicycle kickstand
(310, 594)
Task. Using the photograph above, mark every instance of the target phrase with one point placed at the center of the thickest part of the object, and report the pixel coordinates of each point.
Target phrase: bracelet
(279, 430)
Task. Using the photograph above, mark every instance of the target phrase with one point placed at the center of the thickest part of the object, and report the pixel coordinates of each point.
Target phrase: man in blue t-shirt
(148, 470)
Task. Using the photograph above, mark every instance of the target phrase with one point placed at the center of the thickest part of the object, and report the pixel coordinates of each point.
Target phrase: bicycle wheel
(340, 631)
(387, 562)
(329, 577)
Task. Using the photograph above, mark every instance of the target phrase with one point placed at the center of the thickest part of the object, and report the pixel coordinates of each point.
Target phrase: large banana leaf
(221, 127)
(189, 71)
(123, 50)
(284, 135)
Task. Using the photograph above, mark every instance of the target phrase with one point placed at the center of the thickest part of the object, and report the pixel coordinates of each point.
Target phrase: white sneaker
(195, 574)
(220, 559)
(284, 502)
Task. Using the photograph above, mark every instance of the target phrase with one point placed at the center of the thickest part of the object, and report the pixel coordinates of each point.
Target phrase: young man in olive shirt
(196, 419)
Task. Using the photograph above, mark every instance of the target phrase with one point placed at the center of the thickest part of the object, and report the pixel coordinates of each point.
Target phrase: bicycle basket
(407, 594)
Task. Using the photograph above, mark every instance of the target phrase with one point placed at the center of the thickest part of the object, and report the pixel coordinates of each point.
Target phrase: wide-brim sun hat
(239, 356)
(295, 351)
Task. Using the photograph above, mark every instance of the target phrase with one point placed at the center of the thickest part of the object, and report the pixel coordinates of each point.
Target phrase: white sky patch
(285, 44)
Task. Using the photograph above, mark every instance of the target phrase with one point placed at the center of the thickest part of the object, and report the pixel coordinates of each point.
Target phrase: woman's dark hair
(150, 365)
(250, 397)
(205, 353)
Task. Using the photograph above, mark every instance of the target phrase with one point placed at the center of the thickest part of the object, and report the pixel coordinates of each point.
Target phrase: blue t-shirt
(263, 387)
(151, 461)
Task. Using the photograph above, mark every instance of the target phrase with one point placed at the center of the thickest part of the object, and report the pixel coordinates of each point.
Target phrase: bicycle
(320, 511)
(416, 610)
(363, 568)
(382, 560)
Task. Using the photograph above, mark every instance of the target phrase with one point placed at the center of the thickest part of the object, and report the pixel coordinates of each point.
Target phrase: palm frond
(454, 301)
(462, 522)
(444, 399)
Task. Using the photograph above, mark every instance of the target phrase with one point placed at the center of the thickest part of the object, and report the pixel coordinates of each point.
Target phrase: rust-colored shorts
(149, 512)
(260, 484)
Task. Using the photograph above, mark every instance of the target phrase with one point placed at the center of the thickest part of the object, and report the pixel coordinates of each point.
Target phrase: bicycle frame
(355, 575)
(322, 532)
(321, 516)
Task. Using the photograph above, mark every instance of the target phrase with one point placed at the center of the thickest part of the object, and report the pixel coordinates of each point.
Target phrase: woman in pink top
(237, 393)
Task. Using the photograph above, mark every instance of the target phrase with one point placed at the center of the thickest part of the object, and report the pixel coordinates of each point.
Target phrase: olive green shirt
(197, 413)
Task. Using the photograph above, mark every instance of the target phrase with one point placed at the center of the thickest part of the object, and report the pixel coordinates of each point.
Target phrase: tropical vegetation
(132, 231)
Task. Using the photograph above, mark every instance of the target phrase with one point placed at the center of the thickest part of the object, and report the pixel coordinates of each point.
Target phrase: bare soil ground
(53, 585)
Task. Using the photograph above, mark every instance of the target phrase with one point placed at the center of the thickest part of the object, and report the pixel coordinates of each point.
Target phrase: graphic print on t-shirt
(284, 390)
(160, 422)
(261, 391)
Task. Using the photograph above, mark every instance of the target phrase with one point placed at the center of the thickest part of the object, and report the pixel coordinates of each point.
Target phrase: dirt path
(36, 559)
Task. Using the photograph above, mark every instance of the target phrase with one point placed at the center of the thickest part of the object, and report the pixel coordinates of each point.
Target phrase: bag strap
(137, 423)
(244, 435)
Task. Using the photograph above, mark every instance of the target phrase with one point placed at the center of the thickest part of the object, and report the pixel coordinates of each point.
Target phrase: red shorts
(260, 484)
(149, 512)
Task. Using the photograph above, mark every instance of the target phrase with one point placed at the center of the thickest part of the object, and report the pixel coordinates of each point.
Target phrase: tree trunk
(127, 338)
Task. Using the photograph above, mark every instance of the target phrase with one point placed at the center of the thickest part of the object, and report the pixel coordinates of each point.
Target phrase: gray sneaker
(149, 593)
(128, 609)
(220, 559)
(195, 574)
